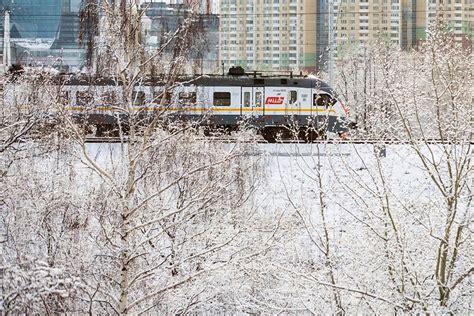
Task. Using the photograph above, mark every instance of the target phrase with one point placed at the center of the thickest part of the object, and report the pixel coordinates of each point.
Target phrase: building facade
(44, 33)
(268, 35)
(161, 19)
(32, 18)
(358, 22)
(458, 16)
(413, 23)
(403, 23)
(66, 42)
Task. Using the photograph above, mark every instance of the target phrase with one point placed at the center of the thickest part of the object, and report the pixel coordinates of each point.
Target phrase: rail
(430, 141)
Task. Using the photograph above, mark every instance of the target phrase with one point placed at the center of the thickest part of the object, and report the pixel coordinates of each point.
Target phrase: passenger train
(278, 106)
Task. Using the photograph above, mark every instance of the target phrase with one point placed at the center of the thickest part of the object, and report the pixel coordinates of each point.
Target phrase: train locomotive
(279, 107)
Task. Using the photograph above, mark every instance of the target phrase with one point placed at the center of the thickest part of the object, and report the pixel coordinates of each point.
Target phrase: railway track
(262, 141)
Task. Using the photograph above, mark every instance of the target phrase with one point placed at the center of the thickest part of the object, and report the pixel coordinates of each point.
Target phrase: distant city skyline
(272, 35)
(308, 35)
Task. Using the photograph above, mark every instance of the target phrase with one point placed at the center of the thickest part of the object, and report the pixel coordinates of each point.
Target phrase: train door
(292, 105)
(259, 101)
(253, 101)
(247, 101)
(203, 100)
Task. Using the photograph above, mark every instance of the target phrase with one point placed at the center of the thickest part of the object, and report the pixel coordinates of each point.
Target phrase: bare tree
(39, 220)
(170, 215)
(440, 107)
(24, 112)
(424, 242)
(365, 233)
(152, 224)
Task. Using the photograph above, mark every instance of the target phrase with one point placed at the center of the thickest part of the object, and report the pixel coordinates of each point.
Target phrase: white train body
(273, 105)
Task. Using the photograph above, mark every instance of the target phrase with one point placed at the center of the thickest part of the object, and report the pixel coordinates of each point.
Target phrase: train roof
(264, 81)
(208, 80)
(235, 77)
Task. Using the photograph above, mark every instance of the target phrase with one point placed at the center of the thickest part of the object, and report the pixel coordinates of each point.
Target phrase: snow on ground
(356, 187)
(291, 170)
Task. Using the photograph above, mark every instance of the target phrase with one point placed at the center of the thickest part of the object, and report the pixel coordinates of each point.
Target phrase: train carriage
(278, 106)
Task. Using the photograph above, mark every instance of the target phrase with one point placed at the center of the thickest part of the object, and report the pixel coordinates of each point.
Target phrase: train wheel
(269, 134)
(311, 135)
(217, 131)
(207, 132)
(100, 130)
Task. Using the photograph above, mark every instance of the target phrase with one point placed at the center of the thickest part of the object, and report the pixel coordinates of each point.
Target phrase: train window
(222, 98)
(187, 98)
(323, 100)
(84, 98)
(159, 95)
(293, 96)
(138, 98)
(109, 98)
(63, 97)
(246, 99)
(258, 99)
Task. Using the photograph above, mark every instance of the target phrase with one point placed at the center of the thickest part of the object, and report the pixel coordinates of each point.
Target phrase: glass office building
(44, 32)
(67, 35)
(33, 18)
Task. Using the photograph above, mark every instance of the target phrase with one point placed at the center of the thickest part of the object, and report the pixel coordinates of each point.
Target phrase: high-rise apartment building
(402, 22)
(325, 22)
(413, 23)
(268, 35)
(360, 21)
(304, 35)
(458, 16)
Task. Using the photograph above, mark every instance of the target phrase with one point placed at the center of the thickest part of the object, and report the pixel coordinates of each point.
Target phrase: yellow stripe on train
(210, 110)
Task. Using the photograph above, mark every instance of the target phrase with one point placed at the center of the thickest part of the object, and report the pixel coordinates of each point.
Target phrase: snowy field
(313, 229)
(292, 170)
(381, 214)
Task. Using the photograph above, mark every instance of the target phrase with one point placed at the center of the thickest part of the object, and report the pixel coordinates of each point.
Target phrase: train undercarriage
(286, 130)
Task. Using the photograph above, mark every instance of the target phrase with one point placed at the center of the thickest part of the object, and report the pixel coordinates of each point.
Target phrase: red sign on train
(274, 100)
